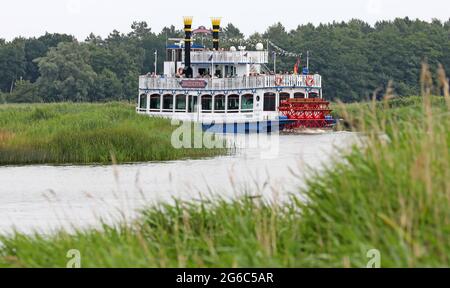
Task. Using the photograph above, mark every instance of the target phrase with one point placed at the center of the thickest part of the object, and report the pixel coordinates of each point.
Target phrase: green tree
(353, 57)
(172, 32)
(231, 36)
(130, 86)
(140, 30)
(107, 87)
(231, 31)
(12, 64)
(53, 39)
(24, 92)
(65, 73)
(34, 49)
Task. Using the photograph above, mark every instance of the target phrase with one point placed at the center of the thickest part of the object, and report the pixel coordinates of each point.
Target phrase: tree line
(354, 58)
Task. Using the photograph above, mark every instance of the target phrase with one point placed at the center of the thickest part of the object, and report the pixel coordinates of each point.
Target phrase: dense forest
(354, 58)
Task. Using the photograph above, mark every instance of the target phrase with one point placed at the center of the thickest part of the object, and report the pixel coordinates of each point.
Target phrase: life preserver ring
(309, 81)
(278, 80)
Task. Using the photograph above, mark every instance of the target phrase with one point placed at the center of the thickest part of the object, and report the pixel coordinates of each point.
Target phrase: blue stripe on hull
(244, 127)
(254, 127)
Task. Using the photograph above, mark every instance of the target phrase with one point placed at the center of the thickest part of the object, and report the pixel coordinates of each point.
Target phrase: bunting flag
(252, 42)
(280, 51)
(243, 41)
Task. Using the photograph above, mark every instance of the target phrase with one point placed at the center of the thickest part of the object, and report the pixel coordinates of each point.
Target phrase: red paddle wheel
(305, 113)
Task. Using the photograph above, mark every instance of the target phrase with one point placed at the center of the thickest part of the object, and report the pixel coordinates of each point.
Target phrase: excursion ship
(230, 90)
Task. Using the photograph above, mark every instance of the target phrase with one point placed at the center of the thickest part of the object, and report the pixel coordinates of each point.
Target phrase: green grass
(400, 110)
(72, 133)
(392, 195)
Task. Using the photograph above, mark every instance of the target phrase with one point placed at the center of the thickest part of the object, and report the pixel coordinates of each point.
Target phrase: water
(47, 198)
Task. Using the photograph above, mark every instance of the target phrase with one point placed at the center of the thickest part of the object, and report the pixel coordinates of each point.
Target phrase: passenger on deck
(180, 73)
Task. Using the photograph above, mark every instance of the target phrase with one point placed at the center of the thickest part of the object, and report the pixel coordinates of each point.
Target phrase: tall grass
(392, 195)
(85, 134)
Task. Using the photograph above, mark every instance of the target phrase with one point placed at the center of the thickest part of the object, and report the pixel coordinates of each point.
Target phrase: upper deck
(229, 57)
(236, 83)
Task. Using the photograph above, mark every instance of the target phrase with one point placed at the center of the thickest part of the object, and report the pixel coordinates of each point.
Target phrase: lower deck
(221, 107)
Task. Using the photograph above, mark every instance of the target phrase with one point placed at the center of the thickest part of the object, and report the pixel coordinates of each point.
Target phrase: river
(46, 198)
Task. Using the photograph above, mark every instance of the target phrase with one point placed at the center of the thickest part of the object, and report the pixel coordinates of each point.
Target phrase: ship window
(207, 103)
(167, 103)
(180, 103)
(218, 72)
(219, 103)
(299, 95)
(313, 95)
(233, 103)
(247, 103)
(284, 97)
(269, 102)
(155, 102)
(192, 106)
(143, 101)
(203, 72)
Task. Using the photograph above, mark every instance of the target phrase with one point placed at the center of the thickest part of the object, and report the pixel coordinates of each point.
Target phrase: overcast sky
(80, 17)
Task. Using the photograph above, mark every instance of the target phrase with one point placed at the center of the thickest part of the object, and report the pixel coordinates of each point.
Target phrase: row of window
(218, 103)
(181, 103)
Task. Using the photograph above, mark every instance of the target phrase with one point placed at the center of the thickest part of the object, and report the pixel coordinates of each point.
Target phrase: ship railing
(246, 82)
(255, 57)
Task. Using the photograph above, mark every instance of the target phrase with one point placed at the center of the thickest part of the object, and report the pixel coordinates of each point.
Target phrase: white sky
(80, 17)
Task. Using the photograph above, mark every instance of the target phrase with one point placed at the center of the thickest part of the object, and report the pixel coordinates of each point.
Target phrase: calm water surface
(46, 198)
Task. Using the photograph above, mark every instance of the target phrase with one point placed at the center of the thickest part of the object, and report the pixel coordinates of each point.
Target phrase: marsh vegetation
(69, 133)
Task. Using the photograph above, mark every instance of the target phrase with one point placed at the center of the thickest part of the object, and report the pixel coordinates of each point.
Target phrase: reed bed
(72, 133)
